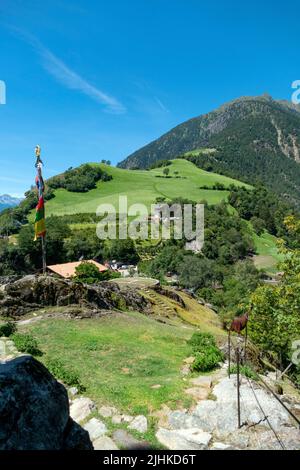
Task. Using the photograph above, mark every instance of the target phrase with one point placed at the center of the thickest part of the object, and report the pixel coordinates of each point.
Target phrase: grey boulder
(34, 410)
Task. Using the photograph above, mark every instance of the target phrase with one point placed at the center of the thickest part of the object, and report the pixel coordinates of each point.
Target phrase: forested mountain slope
(253, 139)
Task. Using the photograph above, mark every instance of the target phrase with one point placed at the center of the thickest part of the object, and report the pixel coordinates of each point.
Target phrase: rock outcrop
(212, 423)
(34, 292)
(34, 410)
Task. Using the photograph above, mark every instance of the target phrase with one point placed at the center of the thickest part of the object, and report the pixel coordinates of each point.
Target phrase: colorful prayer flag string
(39, 223)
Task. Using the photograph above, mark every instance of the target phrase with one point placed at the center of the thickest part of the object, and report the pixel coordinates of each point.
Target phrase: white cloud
(148, 101)
(70, 79)
(161, 105)
(8, 179)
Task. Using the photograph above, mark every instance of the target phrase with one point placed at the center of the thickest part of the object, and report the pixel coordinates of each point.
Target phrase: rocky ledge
(18, 297)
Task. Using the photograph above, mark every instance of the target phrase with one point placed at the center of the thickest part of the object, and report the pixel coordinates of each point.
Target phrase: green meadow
(185, 180)
(119, 358)
(267, 256)
(142, 186)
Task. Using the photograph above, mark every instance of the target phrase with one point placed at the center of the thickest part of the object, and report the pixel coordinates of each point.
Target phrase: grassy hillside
(121, 356)
(142, 186)
(267, 252)
(145, 186)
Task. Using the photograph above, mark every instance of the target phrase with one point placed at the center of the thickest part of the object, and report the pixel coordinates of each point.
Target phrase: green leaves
(207, 354)
(275, 316)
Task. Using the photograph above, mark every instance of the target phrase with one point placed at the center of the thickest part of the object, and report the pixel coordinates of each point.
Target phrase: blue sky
(91, 79)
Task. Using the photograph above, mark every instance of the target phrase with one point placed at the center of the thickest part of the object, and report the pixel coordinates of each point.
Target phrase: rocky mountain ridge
(251, 138)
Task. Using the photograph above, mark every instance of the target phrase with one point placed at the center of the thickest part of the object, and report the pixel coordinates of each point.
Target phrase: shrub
(8, 329)
(207, 359)
(80, 179)
(88, 273)
(207, 353)
(160, 164)
(200, 341)
(26, 343)
(67, 376)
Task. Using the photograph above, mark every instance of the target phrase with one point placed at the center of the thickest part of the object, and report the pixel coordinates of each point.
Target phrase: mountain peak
(7, 201)
(256, 138)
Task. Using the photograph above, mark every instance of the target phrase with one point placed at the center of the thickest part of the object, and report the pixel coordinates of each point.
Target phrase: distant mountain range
(8, 201)
(251, 138)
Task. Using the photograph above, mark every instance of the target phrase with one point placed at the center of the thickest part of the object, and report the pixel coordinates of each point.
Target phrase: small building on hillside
(125, 270)
(68, 270)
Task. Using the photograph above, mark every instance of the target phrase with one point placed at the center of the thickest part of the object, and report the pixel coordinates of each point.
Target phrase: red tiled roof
(67, 270)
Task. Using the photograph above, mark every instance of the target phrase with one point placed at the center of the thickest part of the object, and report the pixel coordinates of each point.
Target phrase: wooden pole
(238, 386)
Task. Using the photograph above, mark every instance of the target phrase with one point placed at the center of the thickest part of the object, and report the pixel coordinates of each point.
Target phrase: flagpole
(40, 185)
(44, 255)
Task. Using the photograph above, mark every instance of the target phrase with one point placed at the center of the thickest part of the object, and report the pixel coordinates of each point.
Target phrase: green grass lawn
(119, 358)
(267, 252)
(144, 187)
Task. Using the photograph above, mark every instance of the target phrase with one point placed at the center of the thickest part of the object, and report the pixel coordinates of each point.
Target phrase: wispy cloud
(8, 179)
(161, 105)
(70, 79)
(147, 101)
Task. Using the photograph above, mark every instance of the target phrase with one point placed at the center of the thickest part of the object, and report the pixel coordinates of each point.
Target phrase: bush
(88, 273)
(200, 341)
(8, 329)
(160, 164)
(26, 343)
(67, 376)
(244, 370)
(80, 179)
(207, 360)
(207, 353)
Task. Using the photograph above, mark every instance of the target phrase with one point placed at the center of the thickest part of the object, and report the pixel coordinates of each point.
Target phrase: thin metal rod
(229, 353)
(265, 416)
(245, 346)
(278, 399)
(238, 387)
(285, 371)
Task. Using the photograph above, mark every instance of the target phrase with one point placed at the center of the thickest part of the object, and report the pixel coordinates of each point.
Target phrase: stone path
(96, 421)
(212, 423)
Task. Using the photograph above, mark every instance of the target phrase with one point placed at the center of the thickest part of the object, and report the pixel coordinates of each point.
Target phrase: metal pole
(44, 255)
(238, 386)
(229, 353)
(278, 399)
(245, 346)
(285, 371)
(38, 166)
